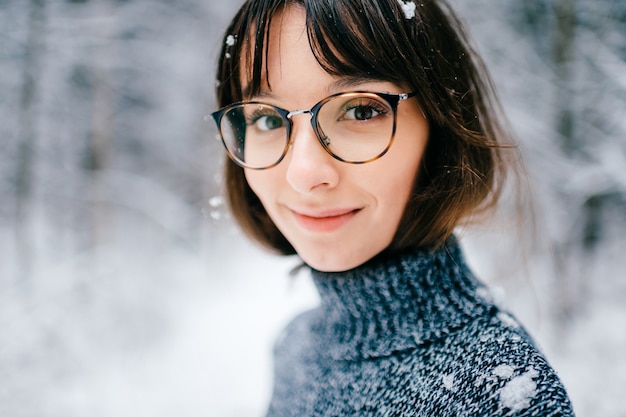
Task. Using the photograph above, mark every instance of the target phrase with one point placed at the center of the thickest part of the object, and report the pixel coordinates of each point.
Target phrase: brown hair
(464, 165)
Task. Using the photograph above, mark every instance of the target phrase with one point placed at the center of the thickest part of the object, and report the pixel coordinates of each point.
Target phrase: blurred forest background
(125, 290)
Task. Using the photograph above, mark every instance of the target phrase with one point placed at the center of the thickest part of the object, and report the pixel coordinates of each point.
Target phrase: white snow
(230, 40)
(503, 371)
(408, 8)
(448, 382)
(519, 392)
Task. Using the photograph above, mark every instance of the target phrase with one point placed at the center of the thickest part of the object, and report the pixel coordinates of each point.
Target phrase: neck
(397, 301)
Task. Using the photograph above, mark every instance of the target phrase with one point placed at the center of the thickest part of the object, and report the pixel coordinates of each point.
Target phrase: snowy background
(125, 290)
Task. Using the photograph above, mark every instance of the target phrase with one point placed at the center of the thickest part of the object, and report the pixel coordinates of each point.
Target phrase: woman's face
(336, 215)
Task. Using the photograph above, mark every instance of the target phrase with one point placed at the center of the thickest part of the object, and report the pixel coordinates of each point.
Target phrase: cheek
(400, 176)
(408, 160)
(398, 183)
(395, 195)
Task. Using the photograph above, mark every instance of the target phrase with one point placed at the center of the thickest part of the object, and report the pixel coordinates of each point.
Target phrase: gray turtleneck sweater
(410, 334)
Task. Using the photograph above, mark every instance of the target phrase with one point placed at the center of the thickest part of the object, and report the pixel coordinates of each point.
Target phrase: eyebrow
(350, 82)
(343, 83)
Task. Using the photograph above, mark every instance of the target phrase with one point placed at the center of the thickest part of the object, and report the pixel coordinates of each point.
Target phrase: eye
(265, 120)
(361, 113)
(363, 110)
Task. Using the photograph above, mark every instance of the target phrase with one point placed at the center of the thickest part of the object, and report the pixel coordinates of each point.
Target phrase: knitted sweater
(411, 334)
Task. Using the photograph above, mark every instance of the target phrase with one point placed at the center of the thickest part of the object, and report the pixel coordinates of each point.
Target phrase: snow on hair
(408, 8)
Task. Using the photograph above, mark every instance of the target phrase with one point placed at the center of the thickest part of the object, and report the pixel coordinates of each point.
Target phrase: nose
(309, 167)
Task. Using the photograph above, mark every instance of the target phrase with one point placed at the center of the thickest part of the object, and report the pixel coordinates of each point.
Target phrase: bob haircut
(464, 164)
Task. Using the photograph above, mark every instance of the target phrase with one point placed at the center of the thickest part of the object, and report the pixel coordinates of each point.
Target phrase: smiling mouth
(325, 222)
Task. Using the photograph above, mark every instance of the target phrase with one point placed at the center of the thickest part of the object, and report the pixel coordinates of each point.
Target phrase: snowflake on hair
(408, 8)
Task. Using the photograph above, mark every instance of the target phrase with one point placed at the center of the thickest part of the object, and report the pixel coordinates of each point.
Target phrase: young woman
(360, 135)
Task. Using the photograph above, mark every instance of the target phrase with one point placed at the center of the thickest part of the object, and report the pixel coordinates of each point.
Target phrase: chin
(334, 263)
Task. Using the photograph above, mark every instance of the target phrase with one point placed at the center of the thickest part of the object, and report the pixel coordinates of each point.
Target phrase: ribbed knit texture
(413, 334)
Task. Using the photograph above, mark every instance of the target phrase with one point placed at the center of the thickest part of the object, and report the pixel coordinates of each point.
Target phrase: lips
(324, 221)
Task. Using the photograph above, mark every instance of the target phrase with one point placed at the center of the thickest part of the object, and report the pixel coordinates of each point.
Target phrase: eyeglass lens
(354, 127)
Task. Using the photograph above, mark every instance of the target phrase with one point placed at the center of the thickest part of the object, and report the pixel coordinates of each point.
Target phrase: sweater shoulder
(491, 367)
(488, 367)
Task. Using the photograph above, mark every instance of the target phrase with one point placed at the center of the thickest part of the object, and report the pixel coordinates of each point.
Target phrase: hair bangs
(356, 44)
(375, 43)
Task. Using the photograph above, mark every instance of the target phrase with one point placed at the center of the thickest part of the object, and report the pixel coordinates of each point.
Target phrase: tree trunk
(563, 54)
(27, 139)
(102, 124)
(568, 247)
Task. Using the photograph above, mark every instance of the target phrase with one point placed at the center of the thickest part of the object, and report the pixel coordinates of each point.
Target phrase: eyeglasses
(354, 127)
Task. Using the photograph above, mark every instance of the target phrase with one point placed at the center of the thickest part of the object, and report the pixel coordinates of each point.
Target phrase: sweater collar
(396, 302)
